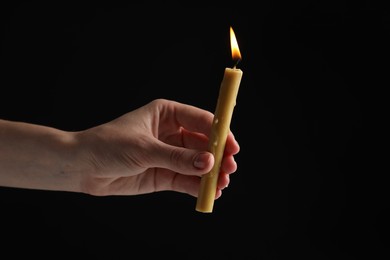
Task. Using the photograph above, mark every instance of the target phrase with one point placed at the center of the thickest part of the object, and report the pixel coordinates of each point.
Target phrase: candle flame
(236, 54)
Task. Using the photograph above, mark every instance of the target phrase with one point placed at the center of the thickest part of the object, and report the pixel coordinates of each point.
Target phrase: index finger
(190, 117)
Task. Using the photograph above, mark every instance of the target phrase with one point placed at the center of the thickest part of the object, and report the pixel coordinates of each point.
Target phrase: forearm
(36, 157)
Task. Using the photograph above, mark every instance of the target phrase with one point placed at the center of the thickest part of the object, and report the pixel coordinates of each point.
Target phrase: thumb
(183, 160)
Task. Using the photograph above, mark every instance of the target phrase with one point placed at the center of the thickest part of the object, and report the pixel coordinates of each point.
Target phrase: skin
(161, 146)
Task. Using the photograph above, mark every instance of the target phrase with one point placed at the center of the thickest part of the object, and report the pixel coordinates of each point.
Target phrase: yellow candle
(220, 129)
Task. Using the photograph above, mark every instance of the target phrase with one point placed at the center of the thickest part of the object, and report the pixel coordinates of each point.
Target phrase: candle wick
(235, 65)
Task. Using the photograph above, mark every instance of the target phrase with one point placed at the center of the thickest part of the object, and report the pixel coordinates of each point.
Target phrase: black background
(309, 120)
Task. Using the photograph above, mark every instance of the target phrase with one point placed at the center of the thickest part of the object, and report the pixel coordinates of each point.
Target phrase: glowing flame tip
(236, 55)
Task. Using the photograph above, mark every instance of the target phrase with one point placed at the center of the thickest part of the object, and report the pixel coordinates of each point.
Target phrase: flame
(236, 54)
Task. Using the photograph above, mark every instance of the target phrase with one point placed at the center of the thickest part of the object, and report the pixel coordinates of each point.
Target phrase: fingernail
(201, 160)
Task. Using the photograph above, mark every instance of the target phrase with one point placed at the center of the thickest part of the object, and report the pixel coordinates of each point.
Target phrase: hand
(160, 146)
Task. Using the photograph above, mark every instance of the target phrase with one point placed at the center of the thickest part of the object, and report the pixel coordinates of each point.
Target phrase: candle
(220, 129)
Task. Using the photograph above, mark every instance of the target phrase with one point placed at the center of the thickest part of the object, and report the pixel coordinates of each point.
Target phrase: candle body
(220, 129)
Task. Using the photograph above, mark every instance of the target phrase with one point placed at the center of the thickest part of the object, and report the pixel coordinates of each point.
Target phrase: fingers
(198, 141)
(191, 161)
(188, 126)
(188, 139)
(191, 184)
(181, 160)
(183, 132)
(190, 117)
(228, 165)
(232, 147)
(187, 166)
(168, 180)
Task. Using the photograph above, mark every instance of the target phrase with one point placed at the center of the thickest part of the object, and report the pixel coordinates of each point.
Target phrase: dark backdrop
(308, 119)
